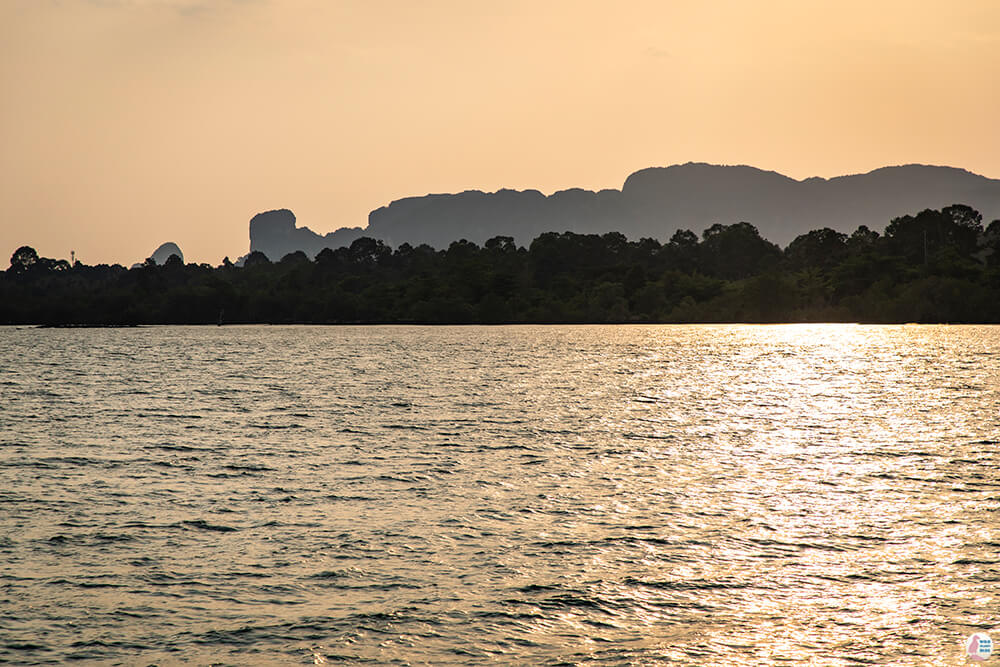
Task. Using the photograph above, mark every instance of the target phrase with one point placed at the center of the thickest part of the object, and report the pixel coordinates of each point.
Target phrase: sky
(128, 123)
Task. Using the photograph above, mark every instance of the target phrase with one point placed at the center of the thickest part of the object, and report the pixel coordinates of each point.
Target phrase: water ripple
(526, 495)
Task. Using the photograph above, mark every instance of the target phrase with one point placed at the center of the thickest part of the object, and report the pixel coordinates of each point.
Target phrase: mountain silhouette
(274, 233)
(655, 203)
(163, 253)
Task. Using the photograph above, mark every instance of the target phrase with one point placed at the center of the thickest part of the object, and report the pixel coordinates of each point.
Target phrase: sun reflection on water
(745, 495)
(820, 520)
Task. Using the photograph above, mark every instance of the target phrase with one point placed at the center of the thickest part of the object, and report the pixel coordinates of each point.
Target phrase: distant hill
(163, 253)
(655, 203)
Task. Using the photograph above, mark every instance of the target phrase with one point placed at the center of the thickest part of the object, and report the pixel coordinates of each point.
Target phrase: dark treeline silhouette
(935, 266)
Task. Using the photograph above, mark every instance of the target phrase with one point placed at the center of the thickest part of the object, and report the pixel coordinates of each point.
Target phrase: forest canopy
(935, 266)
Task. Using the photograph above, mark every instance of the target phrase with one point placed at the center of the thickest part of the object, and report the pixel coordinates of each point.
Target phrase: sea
(543, 495)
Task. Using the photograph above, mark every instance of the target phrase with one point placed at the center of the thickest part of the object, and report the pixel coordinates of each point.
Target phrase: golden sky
(127, 123)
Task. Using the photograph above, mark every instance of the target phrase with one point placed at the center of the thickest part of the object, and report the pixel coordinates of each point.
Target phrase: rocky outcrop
(163, 253)
(274, 233)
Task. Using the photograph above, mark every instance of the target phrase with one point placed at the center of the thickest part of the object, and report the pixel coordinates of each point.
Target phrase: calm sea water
(742, 495)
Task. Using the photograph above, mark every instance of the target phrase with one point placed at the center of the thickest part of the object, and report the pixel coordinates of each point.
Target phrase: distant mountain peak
(163, 253)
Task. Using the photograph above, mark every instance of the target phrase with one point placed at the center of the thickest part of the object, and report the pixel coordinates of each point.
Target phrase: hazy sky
(127, 123)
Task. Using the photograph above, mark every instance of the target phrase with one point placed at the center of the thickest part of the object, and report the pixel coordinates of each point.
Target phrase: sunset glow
(129, 123)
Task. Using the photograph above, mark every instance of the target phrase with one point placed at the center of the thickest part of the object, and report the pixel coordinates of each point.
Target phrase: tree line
(934, 266)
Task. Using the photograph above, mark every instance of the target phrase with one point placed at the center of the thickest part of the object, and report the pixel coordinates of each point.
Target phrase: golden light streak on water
(804, 494)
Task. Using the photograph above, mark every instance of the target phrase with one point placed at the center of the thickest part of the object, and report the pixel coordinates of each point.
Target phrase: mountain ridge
(653, 202)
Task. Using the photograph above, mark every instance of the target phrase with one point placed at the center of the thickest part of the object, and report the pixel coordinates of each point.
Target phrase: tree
(23, 260)
(862, 239)
(366, 250)
(256, 258)
(682, 250)
(292, 258)
(919, 237)
(634, 279)
(736, 251)
(503, 244)
(965, 217)
(26, 262)
(967, 226)
(684, 238)
(820, 248)
(991, 241)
